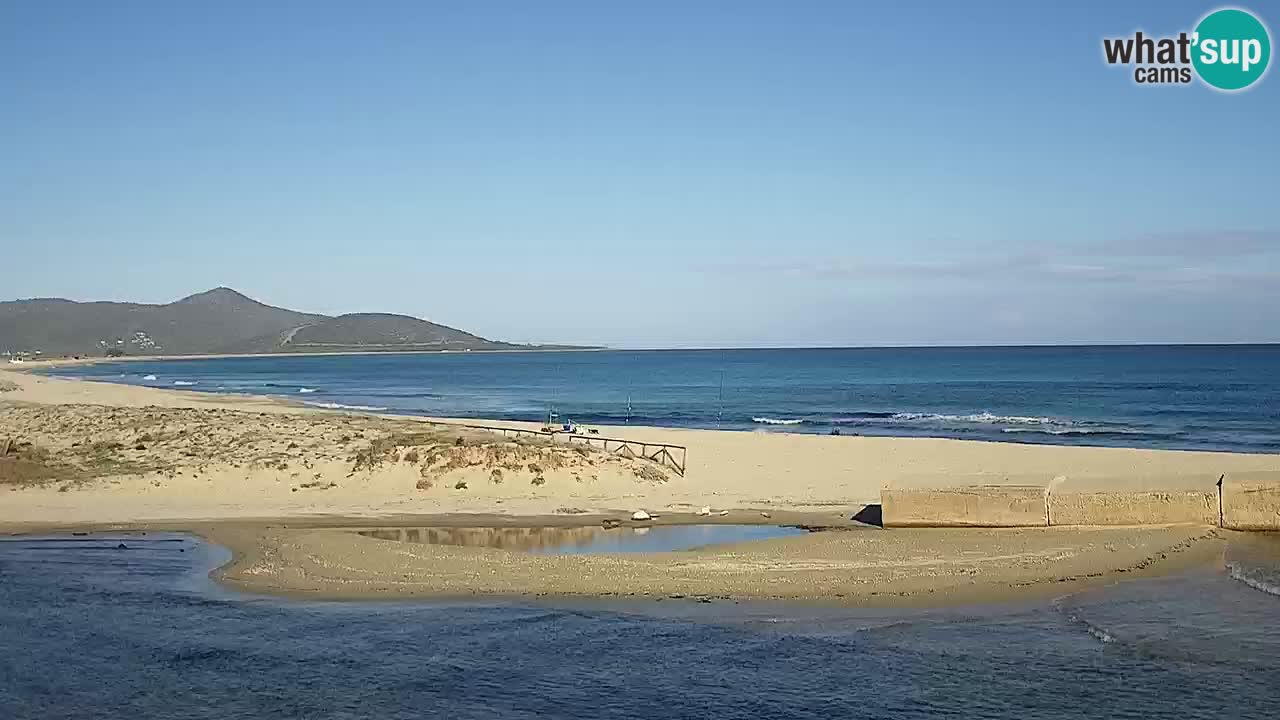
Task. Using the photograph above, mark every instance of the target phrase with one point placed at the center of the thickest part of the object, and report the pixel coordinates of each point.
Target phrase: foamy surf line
(977, 418)
(1011, 423)
(775, 421)
(980, 417)
(341, 406)
(1071, 614)
(1082, 431)
(1237, 573)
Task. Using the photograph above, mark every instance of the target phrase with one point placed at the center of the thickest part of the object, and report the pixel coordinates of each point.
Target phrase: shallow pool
(587, 540)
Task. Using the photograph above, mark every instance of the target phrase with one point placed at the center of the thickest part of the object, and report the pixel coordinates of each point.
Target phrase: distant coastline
(552, 348)
(34, 365)
(220, 321)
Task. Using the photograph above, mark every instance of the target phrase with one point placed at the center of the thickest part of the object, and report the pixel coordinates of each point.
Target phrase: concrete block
(1251, 500)
(970, 506)
(1134, 500)
(1134, 508)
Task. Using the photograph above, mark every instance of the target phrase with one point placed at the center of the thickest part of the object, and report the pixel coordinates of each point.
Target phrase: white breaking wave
(982, 417)
(1076, 431)
(340, 406)
(148, 377)
(775, 421)
(1238, 574)
(306, 390)
(1023, 424)
(184, 382)
(1099, 633)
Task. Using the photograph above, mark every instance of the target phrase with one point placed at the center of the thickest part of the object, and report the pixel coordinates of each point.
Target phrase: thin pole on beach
(1221, 520)
(720, 412)
(552, 413)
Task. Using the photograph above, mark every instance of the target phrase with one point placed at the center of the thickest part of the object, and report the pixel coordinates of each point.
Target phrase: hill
(219, 321)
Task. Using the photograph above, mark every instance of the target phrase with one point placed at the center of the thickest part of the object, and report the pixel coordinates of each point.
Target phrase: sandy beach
(279, 482)
(149, 454)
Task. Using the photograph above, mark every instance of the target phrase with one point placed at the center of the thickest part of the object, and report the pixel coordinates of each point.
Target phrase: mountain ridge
(218, 321)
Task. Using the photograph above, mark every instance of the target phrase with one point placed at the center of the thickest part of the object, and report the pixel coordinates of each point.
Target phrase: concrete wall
(1251, 501)
(1134, 508)
(1134, 500)
(972, 506)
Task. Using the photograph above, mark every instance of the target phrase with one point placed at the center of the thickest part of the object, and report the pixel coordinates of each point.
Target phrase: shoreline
(296, 405)
(1015, 439)
(183, 454)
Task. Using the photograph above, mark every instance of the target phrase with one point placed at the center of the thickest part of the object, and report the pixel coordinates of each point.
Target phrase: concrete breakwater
(1239, 501)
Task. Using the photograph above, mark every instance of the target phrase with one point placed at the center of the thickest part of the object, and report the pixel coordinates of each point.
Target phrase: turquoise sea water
(93, 630)
(1186, 397)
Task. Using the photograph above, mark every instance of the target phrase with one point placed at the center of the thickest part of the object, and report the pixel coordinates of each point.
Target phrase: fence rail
(661, 453)
(506, 431)
(666, 454)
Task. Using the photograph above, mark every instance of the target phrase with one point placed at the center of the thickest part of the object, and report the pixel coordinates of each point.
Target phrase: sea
(1196, 397)
(129, 626)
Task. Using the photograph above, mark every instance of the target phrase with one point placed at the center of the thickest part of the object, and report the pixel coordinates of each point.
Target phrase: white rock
(765, 515)
(723, 513)
(704, 511)
(641, 515)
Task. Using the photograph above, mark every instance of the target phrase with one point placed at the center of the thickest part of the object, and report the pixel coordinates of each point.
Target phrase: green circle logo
(1232, 49)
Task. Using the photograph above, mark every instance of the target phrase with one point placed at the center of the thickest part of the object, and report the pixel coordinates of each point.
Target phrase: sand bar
(851, 567)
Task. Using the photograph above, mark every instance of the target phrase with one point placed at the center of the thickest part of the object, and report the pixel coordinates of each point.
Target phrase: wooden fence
(672, 456)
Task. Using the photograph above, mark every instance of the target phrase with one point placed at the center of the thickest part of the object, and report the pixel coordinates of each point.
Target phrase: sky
(646, 174)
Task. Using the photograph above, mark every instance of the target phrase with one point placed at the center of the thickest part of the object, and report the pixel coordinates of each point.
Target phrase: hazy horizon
(720, 176)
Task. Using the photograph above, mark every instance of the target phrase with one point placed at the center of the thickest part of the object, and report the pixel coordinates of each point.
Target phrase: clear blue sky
(643, 174)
